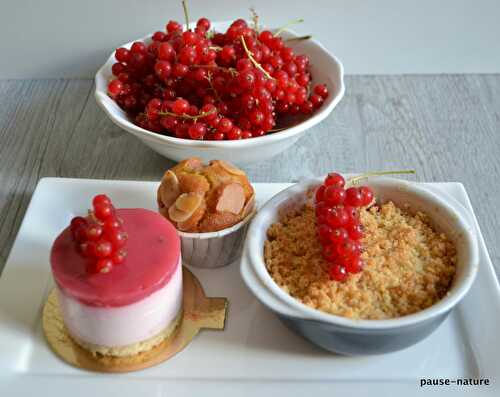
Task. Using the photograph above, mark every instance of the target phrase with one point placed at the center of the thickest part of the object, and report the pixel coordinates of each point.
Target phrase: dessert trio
(118, 271)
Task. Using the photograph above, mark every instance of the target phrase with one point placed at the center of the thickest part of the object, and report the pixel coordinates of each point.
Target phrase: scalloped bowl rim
(104, 101)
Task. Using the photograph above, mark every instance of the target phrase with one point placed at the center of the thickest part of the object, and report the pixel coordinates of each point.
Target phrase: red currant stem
(358, 178)
(294, 22)
(209, 79)
(308, 88)
(187, 116)
(255, 19)
(300, 38)
(186, 15)
(233, 71)
(256, 64)
(278, 129)
(215, 48)
(210, 34)
(93, 217)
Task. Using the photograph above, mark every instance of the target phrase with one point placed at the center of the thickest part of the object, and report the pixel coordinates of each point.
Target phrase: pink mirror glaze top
(153, 253)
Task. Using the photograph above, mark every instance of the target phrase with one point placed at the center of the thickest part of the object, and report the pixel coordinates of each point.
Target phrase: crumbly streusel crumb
(409, 266)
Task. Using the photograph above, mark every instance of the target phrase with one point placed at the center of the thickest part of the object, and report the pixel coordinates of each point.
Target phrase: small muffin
(199, 198)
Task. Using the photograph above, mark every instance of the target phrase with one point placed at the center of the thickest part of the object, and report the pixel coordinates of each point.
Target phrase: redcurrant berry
(197, 131)
(87, 248)
(138, 47)
(323, 211)
(173, 26)
(117, 68)
(366, 195)
(338, 236)
(119, 256)
(77, 222)
(80, 234)
(337, 217)
(180, 70)
(103, 265)
(330, 253)
(203, 23)
(334, 195)
(94, 232)
(163, 69)
(354, 197)
(354, 265)
(320, 193)
(103, 211)
(115, 88)
(111, 226)
(348, 249)
(316, 100)
(338, 272)
(103, 248)
(118, 240)
(321, 90)
(234, 133)
(189, 37)
(158, 36)
(353, 214)
(180, 106)
(324, 233)
(355, 231)
(246, 79)
(334, 179)
(122, 55)
(224, 125)
(101, 199)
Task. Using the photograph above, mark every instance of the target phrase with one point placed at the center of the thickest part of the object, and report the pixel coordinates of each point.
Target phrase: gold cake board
(199, 312)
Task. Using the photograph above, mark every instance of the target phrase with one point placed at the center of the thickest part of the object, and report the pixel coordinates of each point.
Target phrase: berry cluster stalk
(252, 59)
(283, 28)
(188, 116)
(299, 38)
(186, 14)
(358, 178)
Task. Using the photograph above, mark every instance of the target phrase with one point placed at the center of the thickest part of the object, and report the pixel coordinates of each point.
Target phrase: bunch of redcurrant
(198, 84)
(100, 236)
(339, 227)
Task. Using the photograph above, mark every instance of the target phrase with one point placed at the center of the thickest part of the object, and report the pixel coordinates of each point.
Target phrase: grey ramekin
(362, 337)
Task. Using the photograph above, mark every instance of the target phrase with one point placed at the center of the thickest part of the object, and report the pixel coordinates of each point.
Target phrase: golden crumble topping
(409, 266)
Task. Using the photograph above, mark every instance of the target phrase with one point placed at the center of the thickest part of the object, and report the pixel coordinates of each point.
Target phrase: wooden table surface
(446, 127)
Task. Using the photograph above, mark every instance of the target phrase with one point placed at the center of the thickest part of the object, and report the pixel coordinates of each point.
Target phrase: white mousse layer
(124, 325)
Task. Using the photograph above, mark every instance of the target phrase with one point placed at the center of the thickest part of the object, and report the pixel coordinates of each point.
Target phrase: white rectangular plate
(255, 353)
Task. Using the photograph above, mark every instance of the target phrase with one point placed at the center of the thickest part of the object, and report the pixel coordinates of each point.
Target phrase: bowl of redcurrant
(226, 90)
(341, 334)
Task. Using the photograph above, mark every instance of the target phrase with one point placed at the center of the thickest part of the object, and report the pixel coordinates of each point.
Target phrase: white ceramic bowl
(342, 334)
(325, 68)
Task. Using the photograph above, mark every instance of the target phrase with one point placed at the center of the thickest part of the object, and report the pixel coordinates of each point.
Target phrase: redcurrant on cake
(343, 254)
(201, 198)
(119, 279)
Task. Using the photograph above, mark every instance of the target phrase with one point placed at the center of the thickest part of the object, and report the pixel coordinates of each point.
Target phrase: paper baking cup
(214, 249)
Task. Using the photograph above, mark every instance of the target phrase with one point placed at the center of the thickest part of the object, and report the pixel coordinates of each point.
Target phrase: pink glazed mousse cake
(124, 306)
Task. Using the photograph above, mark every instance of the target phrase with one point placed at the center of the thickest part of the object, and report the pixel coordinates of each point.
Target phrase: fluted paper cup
(214, 249)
